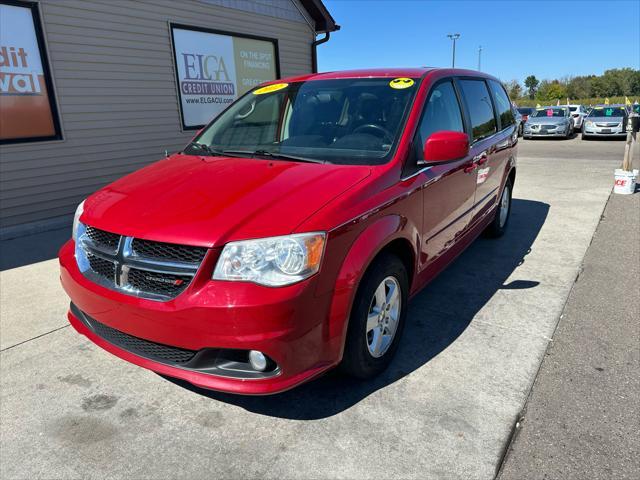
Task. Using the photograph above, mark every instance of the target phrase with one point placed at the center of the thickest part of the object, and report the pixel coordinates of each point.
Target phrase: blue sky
(518, 38)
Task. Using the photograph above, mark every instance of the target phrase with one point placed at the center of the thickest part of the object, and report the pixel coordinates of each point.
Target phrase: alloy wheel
(383, 317)
(504, 206)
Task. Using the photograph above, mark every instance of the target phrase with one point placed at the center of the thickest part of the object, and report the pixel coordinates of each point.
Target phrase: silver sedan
(605, 121)
(549, 122)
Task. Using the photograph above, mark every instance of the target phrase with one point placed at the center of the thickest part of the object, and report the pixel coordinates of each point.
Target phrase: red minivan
(289, 235)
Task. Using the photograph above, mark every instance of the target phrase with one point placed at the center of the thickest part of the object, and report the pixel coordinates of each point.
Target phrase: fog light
(258, 360)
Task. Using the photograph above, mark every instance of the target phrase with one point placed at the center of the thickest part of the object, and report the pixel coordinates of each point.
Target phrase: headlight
(274, 261)
(589, 124)
(76, 221)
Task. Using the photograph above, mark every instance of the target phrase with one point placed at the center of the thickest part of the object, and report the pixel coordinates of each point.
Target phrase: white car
(578, 112)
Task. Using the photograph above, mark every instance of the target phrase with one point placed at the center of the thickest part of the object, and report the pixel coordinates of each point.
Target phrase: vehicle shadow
(436, 318)
(17, 252)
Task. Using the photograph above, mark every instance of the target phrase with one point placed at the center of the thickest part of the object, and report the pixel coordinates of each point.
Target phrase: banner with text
(214, 69)
(25, 106)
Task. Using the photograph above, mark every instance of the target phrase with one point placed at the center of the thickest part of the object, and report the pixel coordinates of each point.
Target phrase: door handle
(481, 158)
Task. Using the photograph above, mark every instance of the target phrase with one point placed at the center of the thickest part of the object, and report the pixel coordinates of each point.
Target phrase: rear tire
(373, 334)
(503, 211)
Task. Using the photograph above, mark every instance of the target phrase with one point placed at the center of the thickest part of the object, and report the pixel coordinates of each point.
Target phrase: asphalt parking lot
(446, 408)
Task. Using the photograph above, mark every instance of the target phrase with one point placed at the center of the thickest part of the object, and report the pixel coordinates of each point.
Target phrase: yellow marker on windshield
(400, 83)
(270, 88)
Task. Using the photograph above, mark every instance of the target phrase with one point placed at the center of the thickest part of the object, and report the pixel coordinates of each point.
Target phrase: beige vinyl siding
(112, 67)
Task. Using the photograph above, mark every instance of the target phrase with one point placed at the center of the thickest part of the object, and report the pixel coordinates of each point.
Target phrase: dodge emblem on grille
(177, 282)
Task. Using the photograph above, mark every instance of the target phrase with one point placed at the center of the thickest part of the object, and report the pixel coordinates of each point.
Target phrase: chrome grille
(143, 268)
(104, 268)
(104, 240)
(168, 251)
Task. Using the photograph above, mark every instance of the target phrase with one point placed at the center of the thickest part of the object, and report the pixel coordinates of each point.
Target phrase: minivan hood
(212, 200)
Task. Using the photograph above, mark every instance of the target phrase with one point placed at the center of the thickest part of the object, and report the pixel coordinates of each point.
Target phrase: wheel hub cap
(504, 206)
(382, 320)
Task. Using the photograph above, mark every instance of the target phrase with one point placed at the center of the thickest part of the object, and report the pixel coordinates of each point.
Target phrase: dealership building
(91, 90)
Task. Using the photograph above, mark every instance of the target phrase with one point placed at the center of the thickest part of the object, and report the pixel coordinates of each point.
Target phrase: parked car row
(562, 120)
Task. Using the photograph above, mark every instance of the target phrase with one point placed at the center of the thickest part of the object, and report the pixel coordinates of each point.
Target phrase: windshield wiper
(205, 148)
(280, 156)
(250, 153)
(214, 152)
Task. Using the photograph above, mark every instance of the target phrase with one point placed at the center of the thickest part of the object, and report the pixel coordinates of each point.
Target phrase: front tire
(377, 318)
(503, 211)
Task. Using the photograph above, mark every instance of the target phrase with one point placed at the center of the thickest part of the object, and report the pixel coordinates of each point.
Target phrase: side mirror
(444, 146)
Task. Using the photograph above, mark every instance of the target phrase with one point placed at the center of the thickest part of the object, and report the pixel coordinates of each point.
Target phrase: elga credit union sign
(215, 68)
(27, 109)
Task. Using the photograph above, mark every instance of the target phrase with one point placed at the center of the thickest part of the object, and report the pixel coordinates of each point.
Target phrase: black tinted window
(550, 112)
(608, 112)
(503, 104)
(478, 100)
(442, 112)
(355, 121)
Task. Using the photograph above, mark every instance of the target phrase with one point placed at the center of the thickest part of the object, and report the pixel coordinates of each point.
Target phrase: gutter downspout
(314, 51)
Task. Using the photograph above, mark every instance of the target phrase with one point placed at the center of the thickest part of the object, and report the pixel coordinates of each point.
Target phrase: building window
(28, 110)
(214, 68)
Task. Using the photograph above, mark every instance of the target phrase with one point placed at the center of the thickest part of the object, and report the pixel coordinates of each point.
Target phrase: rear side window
(503, 105)
(442, 112)
(483, 122)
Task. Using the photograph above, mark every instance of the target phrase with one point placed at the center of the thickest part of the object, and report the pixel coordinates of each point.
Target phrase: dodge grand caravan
(289, 235)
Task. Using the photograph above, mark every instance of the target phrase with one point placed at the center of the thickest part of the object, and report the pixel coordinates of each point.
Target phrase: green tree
(579, 87)
(553, 90)
(620, 81)
(601, 86)
(514, 89)
(531, 82)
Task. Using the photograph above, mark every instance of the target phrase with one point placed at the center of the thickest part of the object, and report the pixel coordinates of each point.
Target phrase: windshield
(550, 112)
(607, 112)
(525, 110)
(573, 109)
(344, 121)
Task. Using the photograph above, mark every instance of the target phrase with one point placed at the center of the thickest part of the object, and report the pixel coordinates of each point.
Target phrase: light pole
(454, 37)
(479, 57)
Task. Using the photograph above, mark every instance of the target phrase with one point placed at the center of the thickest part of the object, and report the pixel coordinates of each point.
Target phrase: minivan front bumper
(216, 320)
